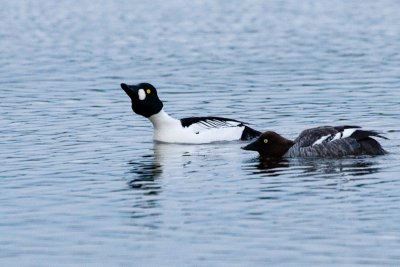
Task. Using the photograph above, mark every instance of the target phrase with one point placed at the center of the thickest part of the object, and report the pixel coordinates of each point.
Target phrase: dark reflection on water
(145, 174)
(271, 166)
(289, 179)
(356, 167)
(353, 166)
(143, 178)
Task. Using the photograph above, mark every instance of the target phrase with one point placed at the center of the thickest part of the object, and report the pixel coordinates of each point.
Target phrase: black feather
(362, 134)
(370, 146)
(344, 127)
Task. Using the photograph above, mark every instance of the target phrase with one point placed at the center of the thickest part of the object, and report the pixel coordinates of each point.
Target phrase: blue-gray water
(81, 181)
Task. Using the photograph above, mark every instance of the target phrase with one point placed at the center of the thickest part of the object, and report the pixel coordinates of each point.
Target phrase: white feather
(344, 134)
(340, 135)
(322, 139)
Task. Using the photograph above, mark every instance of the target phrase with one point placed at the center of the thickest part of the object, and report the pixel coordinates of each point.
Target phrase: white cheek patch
(142, 94)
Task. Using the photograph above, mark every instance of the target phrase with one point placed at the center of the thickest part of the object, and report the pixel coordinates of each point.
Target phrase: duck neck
(287, 145)
(162, 119)
(282, 148)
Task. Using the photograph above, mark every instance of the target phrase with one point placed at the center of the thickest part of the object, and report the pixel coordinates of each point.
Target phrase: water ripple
(82, 182)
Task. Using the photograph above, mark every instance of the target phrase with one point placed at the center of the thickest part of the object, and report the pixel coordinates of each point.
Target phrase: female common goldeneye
(325, 141)
(193, 130)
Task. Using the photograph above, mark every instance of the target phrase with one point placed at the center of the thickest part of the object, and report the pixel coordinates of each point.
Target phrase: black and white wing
(198, 124)
(210, 122)
(338, 141)
(311, 136)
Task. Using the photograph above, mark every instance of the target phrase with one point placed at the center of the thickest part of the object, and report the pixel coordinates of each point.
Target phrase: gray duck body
(359, 142)
(324, 141)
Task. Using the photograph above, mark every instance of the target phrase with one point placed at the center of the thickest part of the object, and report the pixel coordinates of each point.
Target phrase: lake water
(82, 183)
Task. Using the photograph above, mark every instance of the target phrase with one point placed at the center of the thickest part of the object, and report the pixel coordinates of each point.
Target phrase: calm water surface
(81, 181)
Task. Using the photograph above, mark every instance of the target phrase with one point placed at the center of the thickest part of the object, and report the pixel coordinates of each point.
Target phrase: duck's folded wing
(201, 123)
(335, 148)
(319, 134)
(346, 141)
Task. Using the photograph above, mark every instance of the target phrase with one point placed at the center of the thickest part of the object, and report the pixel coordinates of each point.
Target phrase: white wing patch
(340, 135)
(322, 139)
(344, 134)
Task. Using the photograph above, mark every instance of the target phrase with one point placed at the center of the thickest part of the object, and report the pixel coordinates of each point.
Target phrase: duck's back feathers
(327, 141)
(309, 136)
(210, 122)
(199, 124)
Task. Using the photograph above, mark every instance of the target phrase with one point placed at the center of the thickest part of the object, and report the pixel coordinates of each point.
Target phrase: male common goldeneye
(325, 141)
(194, 130)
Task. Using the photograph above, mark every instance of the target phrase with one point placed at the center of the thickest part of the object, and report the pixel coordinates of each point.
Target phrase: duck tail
(363, 134)
(370, 146)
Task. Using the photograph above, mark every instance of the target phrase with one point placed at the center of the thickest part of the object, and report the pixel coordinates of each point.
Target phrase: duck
(191, 130)
(323, 141)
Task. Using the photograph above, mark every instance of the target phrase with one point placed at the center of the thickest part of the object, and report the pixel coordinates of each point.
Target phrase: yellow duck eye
(265, 140)
(148, 91)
